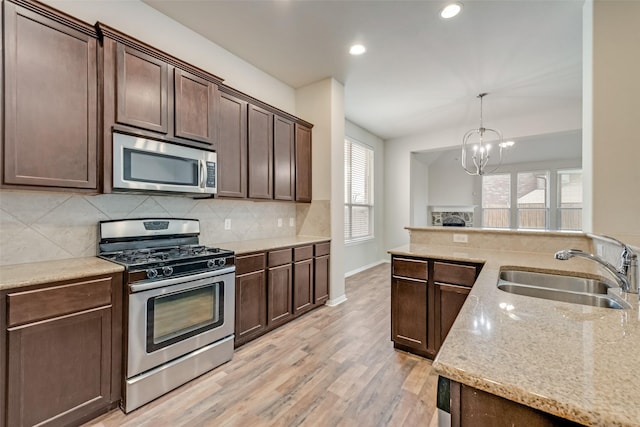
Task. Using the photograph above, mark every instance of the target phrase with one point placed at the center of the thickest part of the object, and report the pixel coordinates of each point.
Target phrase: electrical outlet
(460, 238)
(227, 224)
(279, 222)
(292, 222)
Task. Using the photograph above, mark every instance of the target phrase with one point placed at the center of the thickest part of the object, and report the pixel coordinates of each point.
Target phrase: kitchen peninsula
(572, 361)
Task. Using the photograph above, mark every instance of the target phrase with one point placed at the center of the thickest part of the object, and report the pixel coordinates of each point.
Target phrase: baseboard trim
(366, 267)
(337, 301)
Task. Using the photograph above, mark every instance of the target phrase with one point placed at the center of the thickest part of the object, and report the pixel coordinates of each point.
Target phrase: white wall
(449, 184)
(616, 114)
(361, 254)
(323, 104)
(419, 192)
(143, 22)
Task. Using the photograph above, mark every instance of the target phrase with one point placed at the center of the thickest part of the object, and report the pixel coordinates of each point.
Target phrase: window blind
(358, 191)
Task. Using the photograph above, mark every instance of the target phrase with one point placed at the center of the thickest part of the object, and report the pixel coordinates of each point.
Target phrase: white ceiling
(420, 72)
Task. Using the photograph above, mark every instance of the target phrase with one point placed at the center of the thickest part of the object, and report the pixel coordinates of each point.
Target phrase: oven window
(145, 166)
(177, 316)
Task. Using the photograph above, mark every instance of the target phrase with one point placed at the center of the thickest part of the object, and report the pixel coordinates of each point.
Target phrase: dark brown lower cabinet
(302, 279)
(426, 297)
(449, 301)
(274, 287)
(63, 352)
(251, 307)
(279, 295)
(409, 314)
(303, 290)
(57, 367)
(321, 273)
(471, 407)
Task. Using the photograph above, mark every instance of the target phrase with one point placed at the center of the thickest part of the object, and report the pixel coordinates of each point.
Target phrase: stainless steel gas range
(179, 309)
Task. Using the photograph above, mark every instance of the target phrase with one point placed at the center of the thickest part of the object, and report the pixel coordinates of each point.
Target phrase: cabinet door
(321, 282)
(283, 159)
(232, 146)
(449, 301)
(50, 101)
(303, 163)
(279, 295)
(142, 90)
(303, 289)
(260, 147)
(409, 313)
(251, 306)
(195, 107)
(59, 370)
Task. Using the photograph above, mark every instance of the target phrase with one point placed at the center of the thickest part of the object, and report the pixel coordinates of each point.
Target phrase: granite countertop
(18, 275)
(35, 273)
(248, 246)
(575, 361)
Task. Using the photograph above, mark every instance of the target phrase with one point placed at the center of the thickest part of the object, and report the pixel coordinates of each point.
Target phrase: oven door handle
(182, 279)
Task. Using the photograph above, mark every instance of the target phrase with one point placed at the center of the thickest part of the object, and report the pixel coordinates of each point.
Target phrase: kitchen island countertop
(574, 361)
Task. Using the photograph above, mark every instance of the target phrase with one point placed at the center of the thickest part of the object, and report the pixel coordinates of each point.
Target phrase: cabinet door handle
(408, 339)
(411, 279)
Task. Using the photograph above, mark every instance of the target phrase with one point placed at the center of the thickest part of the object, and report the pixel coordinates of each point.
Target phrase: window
(533, 202)
(542, 200)
(570, 200)
(496, 201)
(358, 191)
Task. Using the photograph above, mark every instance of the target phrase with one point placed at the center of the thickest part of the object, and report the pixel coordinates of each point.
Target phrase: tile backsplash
(45, 226)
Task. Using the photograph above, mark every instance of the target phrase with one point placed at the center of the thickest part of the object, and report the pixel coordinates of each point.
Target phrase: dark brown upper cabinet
(152, 94)
(232, 146)
(303, 163)
(50, 134)
(195, 107)
(260, 152)
(142, 90)
(283, 159)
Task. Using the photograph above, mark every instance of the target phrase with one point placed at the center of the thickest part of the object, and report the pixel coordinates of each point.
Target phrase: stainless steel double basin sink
(557, 287)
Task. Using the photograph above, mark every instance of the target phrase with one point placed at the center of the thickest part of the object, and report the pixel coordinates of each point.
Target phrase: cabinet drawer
(323, 248)
(250, 263)
(280, 257)
(302, 253)
(454, 273)
(39, 304)
(411, 268)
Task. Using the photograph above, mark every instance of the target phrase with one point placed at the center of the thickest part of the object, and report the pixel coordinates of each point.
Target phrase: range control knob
(220, 262)
(152, 273)
(167, 271)
(211, 263)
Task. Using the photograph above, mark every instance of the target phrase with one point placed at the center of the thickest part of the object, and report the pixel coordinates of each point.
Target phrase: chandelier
(479, 150)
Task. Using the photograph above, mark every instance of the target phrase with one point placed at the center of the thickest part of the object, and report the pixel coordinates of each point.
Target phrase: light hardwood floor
(335, 366)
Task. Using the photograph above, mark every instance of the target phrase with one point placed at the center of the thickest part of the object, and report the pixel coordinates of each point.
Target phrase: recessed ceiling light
(450, 10)
(357, 49)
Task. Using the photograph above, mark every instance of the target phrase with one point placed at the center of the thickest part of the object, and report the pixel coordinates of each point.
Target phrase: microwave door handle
(202, 173)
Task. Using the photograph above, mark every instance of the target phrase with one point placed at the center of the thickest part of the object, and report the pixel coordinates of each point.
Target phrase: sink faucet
(626, 275)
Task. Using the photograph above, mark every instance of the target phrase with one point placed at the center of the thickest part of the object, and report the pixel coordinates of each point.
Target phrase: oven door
(173, 317)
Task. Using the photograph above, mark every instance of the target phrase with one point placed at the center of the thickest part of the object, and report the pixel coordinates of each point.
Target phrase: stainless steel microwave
(141, 164)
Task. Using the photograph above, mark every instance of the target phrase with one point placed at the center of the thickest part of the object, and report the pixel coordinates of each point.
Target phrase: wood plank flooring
(335, 366)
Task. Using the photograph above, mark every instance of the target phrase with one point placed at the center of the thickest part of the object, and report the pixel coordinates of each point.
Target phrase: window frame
(559, 209)
(349, 204)
(553, 197)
